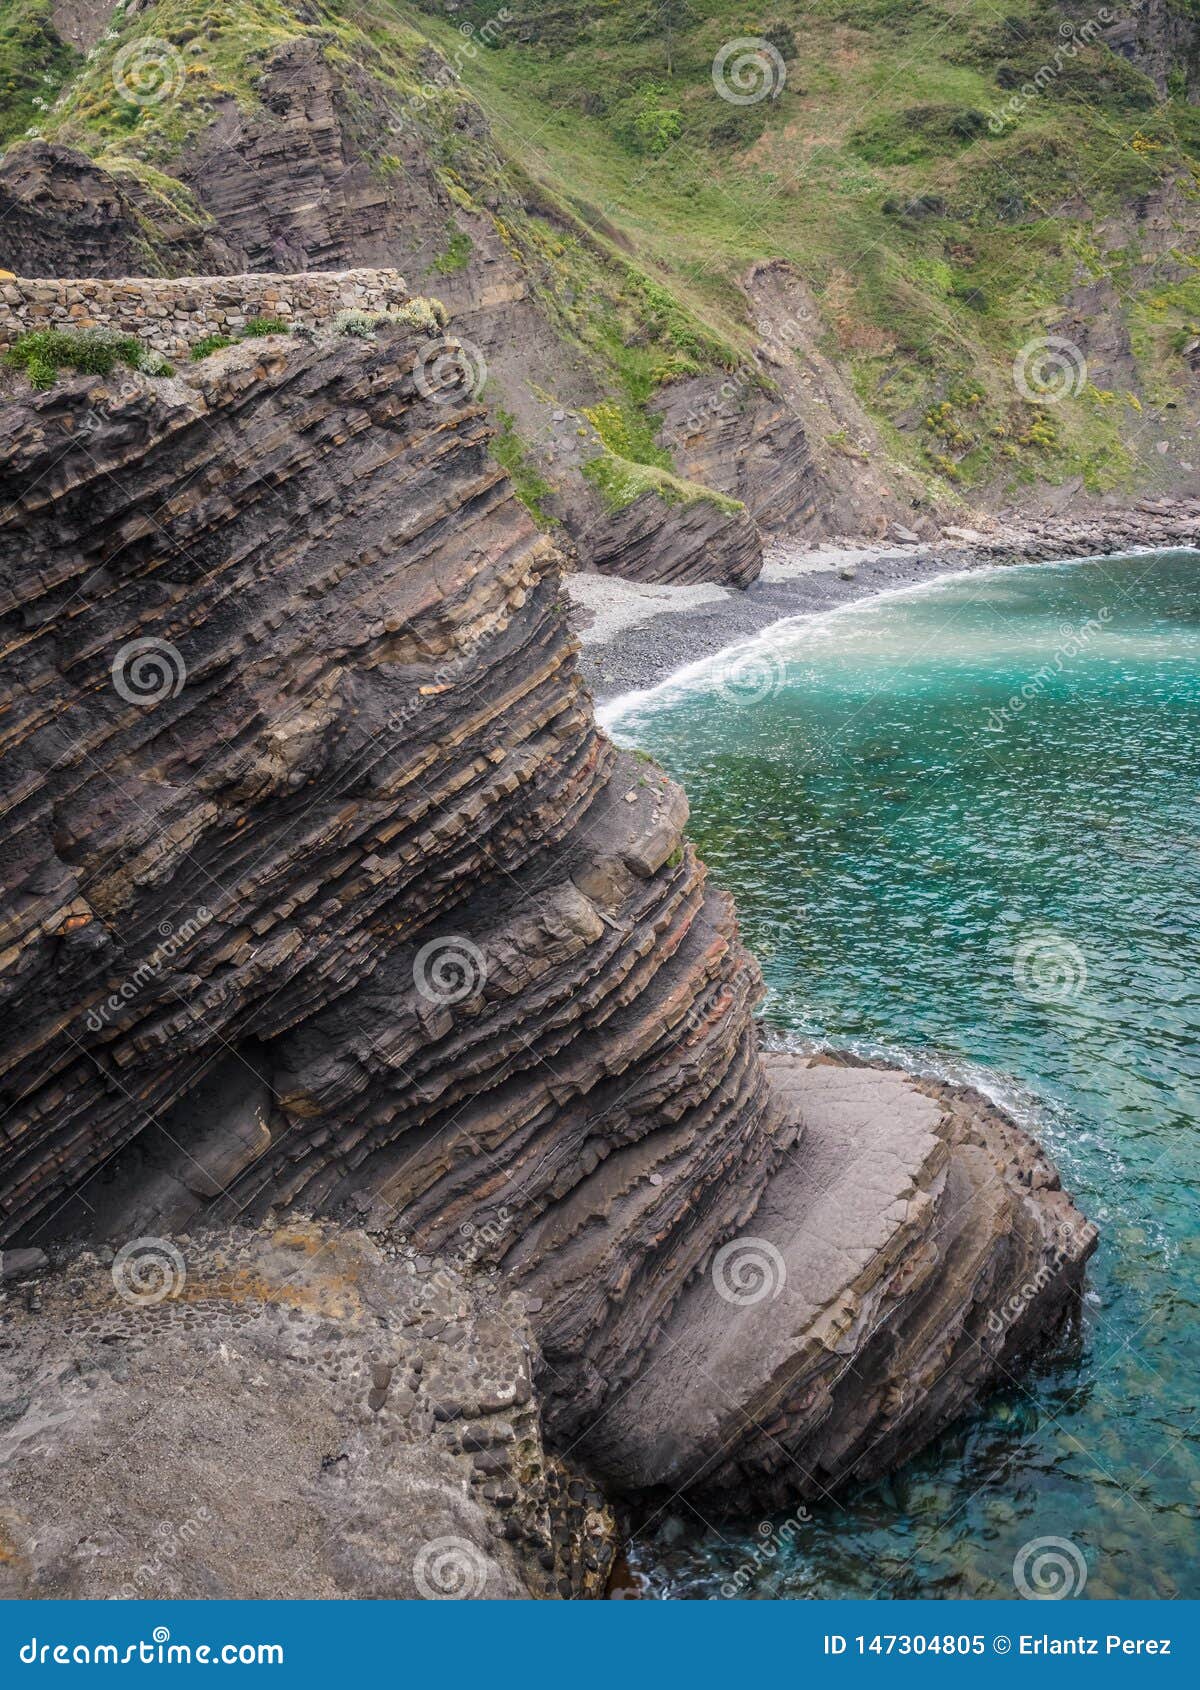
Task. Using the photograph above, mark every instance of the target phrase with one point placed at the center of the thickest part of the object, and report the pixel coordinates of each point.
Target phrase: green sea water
(962, 824)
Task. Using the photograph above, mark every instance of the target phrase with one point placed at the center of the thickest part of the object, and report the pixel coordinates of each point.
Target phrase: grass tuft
(42, 353)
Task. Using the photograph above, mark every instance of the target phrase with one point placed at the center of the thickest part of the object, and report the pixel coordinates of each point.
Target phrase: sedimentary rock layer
(323, 893)
(913, 1248)
(63, 215)
(347, 723)
(346, 901)
(297, 184)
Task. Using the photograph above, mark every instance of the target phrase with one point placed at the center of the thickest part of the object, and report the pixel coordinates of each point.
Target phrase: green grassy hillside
(939, 216)
(34, 64)
(952, 181)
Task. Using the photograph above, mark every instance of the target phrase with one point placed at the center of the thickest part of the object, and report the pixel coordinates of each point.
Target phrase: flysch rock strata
(323, 894)
(304, 1413)
(332, 209)
(912, 1250)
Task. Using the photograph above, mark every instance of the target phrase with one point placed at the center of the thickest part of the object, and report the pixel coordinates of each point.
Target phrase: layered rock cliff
(296, 185)
(325, 895)
(993, 287)
(324, 161)
(1161, 37)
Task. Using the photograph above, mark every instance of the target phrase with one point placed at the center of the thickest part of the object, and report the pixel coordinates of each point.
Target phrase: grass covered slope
(951, 183)
(35, 63)
(941, 217)
(168, 75)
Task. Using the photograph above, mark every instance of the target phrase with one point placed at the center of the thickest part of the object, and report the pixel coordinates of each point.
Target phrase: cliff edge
(325, 896)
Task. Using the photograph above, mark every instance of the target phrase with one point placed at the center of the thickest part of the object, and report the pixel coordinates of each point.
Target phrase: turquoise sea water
(963, 823)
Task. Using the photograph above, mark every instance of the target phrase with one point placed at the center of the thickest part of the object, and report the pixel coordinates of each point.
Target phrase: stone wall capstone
(171, 315)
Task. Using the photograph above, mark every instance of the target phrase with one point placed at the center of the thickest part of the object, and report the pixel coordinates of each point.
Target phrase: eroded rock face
(82, 22)
(364, 870)
(675, 543)
(910, 1251)
(1160, 39)
(301, 1414)
(64, 216)
(328, 570)
(324, 894)
(292, 187)
(296, 185)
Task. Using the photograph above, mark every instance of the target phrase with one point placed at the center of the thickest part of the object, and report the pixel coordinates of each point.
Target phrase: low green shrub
(254, 330)
(456, 256)
(416, 313)
(420, 313)
(359, 324)
(95, 352)
(210, 343)
(529, 484)
(646, 123)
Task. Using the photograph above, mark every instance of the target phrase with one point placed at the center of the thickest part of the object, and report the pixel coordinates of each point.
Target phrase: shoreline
(636, 634)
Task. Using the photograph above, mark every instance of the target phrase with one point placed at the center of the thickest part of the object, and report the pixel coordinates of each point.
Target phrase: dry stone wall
(172, 315)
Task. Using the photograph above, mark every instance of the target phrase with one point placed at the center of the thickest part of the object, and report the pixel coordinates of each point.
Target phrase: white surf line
(1084, 1156)
(692, 677)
